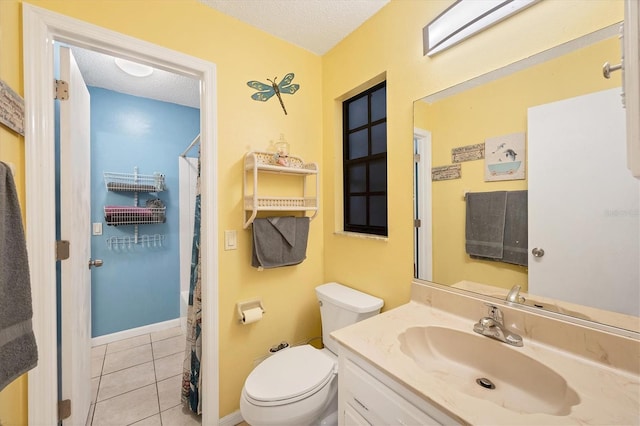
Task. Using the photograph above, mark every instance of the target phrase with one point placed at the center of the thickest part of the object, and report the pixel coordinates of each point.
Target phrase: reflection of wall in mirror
(494, 109)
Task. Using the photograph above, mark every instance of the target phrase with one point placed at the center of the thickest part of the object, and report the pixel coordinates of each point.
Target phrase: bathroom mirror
(593, 274)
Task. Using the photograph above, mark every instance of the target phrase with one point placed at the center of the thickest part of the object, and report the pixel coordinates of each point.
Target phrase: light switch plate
(230, 240)
(97, 228)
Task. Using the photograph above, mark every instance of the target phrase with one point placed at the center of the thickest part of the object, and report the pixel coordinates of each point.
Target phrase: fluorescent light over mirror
(465, 18)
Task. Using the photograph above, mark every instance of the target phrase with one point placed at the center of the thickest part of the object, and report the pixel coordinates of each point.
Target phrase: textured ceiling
(315, 25)
(100, 70)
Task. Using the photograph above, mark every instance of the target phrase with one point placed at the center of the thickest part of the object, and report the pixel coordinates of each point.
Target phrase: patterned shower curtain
(191, 377)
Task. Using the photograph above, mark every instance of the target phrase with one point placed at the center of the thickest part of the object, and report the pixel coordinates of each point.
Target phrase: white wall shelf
(256, 163)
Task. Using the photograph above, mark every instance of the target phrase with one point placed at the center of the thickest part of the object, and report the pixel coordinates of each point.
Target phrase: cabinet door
(352, 418)
(379, 403)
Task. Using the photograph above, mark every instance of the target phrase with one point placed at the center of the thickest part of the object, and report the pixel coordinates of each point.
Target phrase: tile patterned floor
(136, 381)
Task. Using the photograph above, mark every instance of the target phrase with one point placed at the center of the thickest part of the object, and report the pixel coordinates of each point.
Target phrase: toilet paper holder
(248, 304)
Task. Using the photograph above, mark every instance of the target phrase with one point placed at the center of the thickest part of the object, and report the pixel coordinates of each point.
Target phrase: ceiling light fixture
(133, 68)
(466, 18)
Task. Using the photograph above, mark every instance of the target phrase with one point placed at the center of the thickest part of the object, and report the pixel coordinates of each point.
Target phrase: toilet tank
(341, 306)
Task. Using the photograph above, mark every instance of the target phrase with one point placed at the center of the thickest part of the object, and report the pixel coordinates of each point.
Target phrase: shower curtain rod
(193, 142)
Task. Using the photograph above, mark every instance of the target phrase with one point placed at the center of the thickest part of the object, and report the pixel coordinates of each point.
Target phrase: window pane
(378, 175)
(358, 144)
(379, 138)
(357, 210)
(358, 113)
(379, 104)
(357, 178)
(378, 210)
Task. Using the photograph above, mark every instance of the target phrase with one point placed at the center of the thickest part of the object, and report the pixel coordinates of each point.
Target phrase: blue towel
(18, 351)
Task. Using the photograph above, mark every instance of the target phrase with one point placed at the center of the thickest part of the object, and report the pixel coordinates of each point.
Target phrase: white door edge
(40, 28)
(425, 257)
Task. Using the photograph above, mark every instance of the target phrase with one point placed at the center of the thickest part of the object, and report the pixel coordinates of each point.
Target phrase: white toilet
(299, 385)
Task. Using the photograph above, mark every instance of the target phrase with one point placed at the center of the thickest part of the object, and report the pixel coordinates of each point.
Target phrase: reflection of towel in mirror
(496, 226)
(18, 352)
(516, 233)
(484, 230)
(279, 241)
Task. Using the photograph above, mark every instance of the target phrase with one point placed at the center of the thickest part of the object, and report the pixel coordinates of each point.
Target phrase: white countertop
(607, 395)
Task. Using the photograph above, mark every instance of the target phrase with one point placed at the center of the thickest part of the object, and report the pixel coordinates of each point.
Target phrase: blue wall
(141, 285)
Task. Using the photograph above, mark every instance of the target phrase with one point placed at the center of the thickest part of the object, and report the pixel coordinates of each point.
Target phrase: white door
(75, 226)
(423, 238)
(583, 204)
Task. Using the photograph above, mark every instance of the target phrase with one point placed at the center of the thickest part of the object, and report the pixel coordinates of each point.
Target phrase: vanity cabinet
(367, 396)
(255, 198)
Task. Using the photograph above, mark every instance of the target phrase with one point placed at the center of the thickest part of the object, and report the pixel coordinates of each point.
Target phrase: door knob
(537, 252)
(96, 263)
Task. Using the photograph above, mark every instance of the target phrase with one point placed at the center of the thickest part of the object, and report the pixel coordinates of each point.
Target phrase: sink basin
(522, 384)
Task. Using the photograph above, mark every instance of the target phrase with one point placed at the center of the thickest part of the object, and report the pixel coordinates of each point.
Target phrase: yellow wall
(388, 43)
(391, 43)
(241, 53)
(495, 109)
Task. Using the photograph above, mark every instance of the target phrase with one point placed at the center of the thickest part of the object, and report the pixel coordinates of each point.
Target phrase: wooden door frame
(41, 28)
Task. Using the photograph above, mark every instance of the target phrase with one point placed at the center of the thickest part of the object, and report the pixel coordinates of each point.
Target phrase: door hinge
(417, 223)
(62, 90)
(416, 158)
(64, 409)
(62, 250)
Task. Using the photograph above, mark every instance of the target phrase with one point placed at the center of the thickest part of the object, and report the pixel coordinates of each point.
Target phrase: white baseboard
(231, 419)
(133, 332)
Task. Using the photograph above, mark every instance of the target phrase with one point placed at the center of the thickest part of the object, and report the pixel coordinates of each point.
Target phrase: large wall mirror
(580, 252)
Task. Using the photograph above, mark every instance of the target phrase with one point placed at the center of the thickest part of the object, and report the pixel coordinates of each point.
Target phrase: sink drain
(485, 383)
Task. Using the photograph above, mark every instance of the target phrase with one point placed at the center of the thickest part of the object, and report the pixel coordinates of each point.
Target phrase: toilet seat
(288, 376)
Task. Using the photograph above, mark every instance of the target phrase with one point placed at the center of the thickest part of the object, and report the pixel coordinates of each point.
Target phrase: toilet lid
(289, 373)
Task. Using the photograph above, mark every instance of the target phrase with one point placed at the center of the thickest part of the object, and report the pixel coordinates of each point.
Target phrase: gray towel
(18, 351)
(484, 230)
(279, 241)
(516, 233)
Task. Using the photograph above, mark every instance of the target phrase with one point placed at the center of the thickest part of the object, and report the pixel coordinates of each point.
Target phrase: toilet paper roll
(251, 315)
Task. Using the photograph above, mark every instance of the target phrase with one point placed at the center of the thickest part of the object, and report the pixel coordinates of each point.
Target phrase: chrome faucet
(514, 295)
(493, 326)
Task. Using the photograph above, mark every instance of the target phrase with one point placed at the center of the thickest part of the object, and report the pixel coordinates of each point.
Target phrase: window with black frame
(365, 161)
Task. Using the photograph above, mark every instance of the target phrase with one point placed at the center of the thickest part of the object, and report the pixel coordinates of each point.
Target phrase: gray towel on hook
(516, 232)
(18, 351)
(484, 229)
(279, 241)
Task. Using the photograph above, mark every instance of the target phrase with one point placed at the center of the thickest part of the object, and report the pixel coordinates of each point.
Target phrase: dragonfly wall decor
(266, 91)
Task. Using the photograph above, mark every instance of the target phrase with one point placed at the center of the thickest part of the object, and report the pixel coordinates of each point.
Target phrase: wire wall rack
(121, 215)
(134, 182)
(124, 243)
(153, 211)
